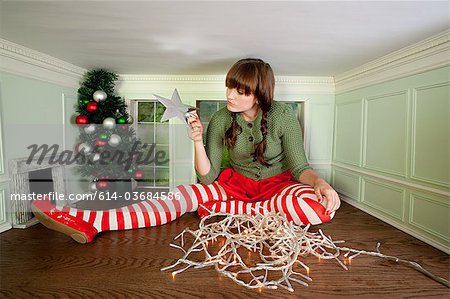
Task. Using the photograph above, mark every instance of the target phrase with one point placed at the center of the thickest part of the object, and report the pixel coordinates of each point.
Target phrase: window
(207, 109)
(150, 130)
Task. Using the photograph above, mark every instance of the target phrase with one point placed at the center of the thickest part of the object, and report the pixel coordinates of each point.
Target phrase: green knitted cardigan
(284, 144)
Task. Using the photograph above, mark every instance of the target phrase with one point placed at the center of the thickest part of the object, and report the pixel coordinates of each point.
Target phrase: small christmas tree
(108, 143)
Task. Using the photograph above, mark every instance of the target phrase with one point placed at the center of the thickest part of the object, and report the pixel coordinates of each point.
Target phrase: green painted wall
(319, 118)
(32, 112)
(391, 152)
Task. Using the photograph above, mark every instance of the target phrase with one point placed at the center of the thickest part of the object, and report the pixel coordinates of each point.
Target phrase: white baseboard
(5, 226)
(29, 223)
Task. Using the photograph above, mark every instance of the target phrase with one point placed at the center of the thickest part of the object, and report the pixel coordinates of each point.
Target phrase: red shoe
(61, 221)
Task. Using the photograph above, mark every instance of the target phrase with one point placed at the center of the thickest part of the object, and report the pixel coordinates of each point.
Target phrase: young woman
(269, 170)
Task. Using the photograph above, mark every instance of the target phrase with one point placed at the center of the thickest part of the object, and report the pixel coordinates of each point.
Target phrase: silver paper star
(174, 107)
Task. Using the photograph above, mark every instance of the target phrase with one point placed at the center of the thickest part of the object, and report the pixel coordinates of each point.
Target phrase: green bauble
(104, 136)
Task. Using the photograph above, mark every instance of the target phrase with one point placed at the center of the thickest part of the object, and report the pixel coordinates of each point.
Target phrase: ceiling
(196, 38)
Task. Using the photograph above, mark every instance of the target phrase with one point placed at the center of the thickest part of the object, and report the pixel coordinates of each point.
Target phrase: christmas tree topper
(174, 107)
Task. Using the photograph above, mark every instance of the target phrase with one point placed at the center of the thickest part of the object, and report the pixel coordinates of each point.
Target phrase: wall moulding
(22, 61)
(414, 214)
(401, 95)
(379, 204)
(356, 180)
(221, 78)
(391, 179)
(431, 53)
(191, 84)
(415, 172)
(401, 226)
(337, 116)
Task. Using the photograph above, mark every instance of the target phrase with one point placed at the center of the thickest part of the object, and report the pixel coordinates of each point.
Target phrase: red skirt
(240, 187)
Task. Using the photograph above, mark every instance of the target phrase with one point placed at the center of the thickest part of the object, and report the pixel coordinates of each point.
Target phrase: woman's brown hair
(252, 76)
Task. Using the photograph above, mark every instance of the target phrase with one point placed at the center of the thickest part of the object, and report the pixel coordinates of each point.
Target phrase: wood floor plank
(38, 262)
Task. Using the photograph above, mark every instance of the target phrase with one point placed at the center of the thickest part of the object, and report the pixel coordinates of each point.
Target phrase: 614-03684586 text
(135, 196)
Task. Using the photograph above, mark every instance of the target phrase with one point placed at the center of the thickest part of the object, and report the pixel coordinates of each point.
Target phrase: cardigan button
(250, 138)
(250, 125)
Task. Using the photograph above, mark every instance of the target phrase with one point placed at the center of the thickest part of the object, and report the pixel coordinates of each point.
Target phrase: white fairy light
(277, 243)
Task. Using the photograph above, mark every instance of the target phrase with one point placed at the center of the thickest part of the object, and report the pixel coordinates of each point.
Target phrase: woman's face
(237, 101)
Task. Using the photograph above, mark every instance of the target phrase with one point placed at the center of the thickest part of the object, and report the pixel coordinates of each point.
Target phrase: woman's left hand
(323, 189)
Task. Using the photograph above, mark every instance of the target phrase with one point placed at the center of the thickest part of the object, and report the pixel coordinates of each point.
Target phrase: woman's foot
(61, 221)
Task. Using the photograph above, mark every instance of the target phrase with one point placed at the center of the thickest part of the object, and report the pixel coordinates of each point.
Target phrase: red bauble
(100, 143)
(139, 174)
(82, 120)
(92, 106)
(102, 184)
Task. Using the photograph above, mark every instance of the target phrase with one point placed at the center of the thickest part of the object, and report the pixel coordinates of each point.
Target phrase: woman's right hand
(195, 132)
(196, 129)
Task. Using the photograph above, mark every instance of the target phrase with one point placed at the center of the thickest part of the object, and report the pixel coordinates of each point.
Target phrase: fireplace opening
(38, 176)
(41, 181)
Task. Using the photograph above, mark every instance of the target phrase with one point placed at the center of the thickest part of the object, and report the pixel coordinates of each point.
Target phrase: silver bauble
(99, 96)
(95, 157)
(114, 140)
(109, 123)
(89, 129)
(84, 148)
(93, 186)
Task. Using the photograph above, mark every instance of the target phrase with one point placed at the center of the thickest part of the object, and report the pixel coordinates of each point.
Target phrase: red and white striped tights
(298, 202)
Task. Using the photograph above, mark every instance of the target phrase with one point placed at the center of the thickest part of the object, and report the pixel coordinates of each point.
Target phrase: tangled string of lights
(263, 250)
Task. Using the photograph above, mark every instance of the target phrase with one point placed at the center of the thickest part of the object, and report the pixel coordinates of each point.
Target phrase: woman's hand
(195, 132)
(196, 129)
(323, 189)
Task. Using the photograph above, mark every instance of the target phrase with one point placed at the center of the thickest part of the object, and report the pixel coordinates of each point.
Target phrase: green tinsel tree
(107, 142)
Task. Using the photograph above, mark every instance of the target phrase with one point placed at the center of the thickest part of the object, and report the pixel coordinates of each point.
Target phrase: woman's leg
(297, 202)
(83, 225)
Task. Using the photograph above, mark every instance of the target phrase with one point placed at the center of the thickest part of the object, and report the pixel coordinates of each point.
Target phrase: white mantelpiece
(19, 170)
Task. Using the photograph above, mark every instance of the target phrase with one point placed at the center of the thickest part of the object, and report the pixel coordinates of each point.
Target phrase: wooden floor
(38, 262)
